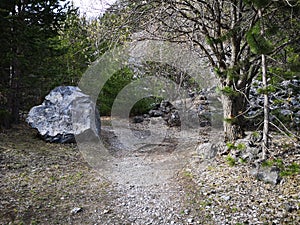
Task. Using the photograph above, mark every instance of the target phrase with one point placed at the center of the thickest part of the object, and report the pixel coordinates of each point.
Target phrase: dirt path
(43, 183)
(149, 182)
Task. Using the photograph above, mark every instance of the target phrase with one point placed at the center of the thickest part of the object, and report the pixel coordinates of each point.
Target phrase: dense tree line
(27, 28)
(43, 44)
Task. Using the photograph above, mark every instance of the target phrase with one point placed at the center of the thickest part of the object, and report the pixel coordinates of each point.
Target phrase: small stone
(225, 197)
(289, 207)
(106, 211)
(186, 211)
(190, 220)
(267, 174)
(76, 210)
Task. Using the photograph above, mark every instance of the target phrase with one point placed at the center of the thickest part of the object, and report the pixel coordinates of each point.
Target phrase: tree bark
(233, 107)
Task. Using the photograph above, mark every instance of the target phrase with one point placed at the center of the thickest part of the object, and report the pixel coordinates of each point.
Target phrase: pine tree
(26, 27)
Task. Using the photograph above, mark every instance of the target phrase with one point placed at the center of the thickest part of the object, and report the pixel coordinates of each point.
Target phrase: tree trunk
(233, 107)
(14, 97)
(15, 68)
(265, 140)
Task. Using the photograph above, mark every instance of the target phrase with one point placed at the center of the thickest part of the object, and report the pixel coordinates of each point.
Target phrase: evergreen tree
(27, 27)
(76, 47)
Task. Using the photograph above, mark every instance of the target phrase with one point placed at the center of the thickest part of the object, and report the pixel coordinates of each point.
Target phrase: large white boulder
(65, 113)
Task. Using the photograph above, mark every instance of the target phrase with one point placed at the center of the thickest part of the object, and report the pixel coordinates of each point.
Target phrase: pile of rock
(168, 112)
(284, 103)
(195, 108)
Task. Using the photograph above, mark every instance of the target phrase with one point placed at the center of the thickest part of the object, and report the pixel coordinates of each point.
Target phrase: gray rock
(249, 147)
(210, 150)
(194, 111)
(225, 197)
(246, 149)
(290, 207)
(76, 210)
(174, 119)
(254, 139)
(267, 174)
(286, 112)
(155, 113)
(283, 103)
(250, 154)
(187, 211)
(61, 116)
(138, 119)
(204, 118)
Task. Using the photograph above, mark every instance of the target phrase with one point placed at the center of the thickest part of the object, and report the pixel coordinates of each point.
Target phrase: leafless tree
(217, 30)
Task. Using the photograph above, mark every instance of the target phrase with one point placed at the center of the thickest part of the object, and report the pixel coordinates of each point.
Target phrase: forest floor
(46, 183)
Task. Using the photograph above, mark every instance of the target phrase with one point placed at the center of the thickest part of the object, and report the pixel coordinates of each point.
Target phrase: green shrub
(286, 170)
(273, 162)
(291, 170)
(230, 160)
(230, 145)
(241, 160)
(111, 89)
(241, 146)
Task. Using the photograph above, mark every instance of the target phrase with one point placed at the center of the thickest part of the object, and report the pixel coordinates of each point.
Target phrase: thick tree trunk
(233, 107)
